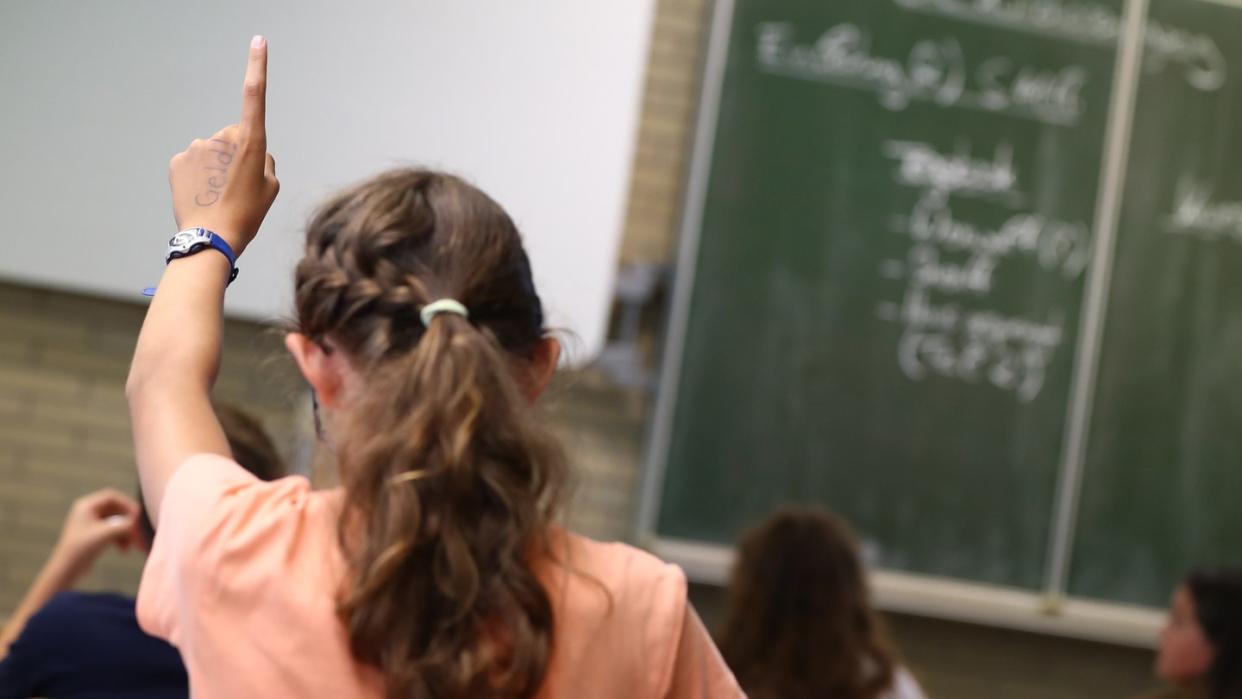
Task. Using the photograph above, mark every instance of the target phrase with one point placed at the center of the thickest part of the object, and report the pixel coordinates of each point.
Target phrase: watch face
(188, 237)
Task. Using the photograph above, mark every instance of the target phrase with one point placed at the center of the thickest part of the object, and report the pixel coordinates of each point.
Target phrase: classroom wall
(533, 100)
(64, 426)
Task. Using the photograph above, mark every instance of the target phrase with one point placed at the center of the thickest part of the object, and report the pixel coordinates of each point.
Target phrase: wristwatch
(194, 240)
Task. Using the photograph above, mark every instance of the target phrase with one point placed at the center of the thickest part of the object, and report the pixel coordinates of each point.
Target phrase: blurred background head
(252, 447)
(798, 620)
(1201, 646)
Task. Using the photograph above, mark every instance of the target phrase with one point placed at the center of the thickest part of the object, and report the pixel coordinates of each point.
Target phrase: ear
(546, 357)
(318, 366)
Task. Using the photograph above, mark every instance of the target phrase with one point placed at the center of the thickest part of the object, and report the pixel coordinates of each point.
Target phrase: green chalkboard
(888, 281)
(882, 301)
(1163, 478)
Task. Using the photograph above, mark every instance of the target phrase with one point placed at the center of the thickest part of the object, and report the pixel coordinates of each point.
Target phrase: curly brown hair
(798, 621)
(450, 482)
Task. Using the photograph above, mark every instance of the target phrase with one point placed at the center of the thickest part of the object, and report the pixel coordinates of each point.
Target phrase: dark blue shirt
(88, 646)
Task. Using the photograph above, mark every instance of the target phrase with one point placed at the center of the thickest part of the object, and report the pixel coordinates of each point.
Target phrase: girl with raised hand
(437, 569)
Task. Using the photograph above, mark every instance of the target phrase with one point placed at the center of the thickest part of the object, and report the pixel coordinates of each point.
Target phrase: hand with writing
(227, 183)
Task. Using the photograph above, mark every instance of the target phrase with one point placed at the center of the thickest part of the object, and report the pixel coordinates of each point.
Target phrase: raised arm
(224, 184)
(95, 521)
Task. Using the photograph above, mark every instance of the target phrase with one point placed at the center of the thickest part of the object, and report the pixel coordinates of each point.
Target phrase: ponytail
(450, 484)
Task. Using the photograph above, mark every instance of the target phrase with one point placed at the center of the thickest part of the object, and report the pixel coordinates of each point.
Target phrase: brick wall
(670, 99)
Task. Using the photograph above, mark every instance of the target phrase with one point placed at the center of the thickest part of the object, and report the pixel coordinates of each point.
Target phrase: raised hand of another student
(227, 182)
(95, 521)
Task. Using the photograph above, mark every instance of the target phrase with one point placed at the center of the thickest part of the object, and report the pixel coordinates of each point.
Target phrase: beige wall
(64, 427)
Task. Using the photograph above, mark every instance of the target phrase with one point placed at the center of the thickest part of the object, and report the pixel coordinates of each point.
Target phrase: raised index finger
(254, 92)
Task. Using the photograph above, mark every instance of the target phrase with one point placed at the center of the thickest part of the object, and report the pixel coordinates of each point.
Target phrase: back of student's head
(252, 448)
(250, 443)
(450, 482)
(1217, 595)
(798, 621)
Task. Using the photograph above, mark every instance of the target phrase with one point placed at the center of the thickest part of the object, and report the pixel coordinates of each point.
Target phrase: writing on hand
(223, 152)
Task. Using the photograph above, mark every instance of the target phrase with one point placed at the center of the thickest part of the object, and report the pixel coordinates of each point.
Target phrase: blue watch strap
(223, 246)
(213, 241)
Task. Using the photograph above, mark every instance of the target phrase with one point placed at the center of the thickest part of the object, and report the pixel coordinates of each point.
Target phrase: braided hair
(449, 481)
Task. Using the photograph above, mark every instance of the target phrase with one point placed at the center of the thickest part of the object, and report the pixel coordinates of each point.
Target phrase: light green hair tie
(435, 308)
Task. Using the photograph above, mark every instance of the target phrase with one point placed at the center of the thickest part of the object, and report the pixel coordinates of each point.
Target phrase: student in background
(436, 571)
(1201, 645)
(59, 643)
(798, 619)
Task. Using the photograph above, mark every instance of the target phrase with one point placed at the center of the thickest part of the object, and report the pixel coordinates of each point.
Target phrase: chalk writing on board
(1055, 245)
(1196, 213)
(934, 70)
(930, 270)
(949, 325)
(1009, 352)
(1197, 55)
(922, 166)
(1204, 64)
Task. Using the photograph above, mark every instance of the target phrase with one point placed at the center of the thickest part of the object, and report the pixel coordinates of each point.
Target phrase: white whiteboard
(535, 101)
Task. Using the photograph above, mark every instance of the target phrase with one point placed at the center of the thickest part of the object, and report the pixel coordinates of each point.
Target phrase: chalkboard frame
(1047, 611)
